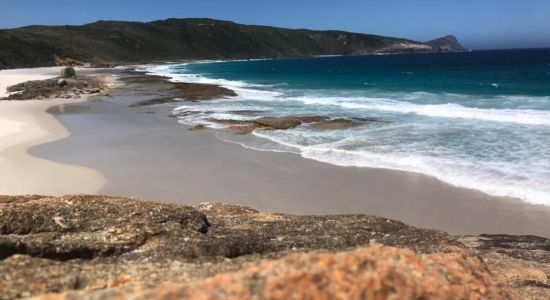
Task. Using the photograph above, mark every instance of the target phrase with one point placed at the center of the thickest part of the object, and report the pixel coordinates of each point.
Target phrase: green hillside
(112, 42)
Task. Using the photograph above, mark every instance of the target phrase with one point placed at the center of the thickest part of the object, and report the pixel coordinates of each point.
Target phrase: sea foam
(495, 144)
(449, 110)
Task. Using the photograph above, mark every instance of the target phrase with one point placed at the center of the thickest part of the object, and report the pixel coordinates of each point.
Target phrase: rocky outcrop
(368, 273)
(446, 43)
(336, 124)
(173, 91)
(289, 122)
(67, 86)
(285, 122)
(519, 262)
(101, 247)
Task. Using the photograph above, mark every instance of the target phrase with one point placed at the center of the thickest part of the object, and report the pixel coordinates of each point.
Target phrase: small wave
(465, 174)
(243, 89)
(449, 110)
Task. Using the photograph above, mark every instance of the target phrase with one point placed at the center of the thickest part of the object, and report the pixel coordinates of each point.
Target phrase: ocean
(478, 120)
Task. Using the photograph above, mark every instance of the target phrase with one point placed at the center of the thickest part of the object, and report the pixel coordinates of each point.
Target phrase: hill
(114, 42)
(447, 43)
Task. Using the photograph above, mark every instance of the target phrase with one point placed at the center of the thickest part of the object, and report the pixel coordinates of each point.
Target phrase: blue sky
(479, 24)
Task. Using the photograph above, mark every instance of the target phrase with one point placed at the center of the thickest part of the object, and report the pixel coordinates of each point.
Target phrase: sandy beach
(143, 152)
(25, 124)
(15, 76)
(107, 145)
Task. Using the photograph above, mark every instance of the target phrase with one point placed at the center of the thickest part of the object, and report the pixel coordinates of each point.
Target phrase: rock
(311, 119)
(62, 82)
(287, 122)
(56, 88)
(139, 81)
(197, 128)
(335, 124)
(242, 129)
(278, 122)
(95, 242)
(519, 262)
(100, 247)
(68, 72)
(376, 272)
(273, 123)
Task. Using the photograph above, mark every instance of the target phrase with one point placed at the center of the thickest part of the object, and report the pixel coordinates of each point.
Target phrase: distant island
(114, 42)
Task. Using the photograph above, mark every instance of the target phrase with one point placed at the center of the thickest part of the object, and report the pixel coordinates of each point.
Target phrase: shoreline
(143, 152)
(23, 173)
(26, 124)
(455, 170)
(130, 246)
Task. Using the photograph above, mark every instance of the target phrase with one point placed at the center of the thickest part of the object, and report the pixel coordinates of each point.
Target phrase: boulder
(68, 72)
(61, 82)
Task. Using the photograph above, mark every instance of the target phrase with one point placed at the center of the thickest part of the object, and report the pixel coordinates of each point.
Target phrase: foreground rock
(368, 273)
(84, 244)
(520, 262)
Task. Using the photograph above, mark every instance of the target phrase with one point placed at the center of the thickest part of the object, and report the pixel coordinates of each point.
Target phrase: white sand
(24, 124)
(11, 77)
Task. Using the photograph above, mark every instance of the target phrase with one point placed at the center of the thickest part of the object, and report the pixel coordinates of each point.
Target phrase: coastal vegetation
(115, 42)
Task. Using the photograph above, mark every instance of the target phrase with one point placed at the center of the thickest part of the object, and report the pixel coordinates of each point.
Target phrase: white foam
(241, 88)
(492, 177)
(449, 110)
(454, 171)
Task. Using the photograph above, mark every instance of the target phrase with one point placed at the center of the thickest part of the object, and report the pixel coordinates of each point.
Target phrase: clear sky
(477, 23)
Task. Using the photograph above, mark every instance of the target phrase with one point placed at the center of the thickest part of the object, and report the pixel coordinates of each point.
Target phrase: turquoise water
(478, 120)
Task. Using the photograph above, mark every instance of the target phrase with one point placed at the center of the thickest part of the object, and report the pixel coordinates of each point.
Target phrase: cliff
(112, 42)
(99, 247)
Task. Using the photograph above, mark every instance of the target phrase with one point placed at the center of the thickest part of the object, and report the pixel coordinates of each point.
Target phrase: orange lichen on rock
(376, 272)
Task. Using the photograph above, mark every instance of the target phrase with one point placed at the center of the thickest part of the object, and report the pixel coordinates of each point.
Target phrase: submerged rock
(335, 124)
(197, 128)
(278, 122)
(283, 123)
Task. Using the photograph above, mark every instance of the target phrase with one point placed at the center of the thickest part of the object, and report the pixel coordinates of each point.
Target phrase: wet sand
(25, 124)
(144, 152)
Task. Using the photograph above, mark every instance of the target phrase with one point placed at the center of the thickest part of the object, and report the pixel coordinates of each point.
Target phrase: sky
(478, 24)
